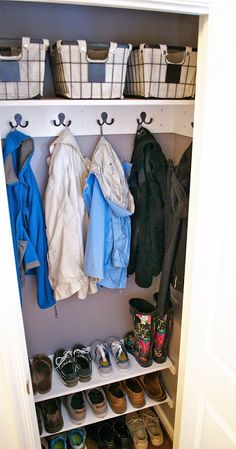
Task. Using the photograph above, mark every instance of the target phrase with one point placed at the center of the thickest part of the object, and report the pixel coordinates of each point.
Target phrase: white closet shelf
(135, 370)
(91, 418)
(96, 102)
(169, 116)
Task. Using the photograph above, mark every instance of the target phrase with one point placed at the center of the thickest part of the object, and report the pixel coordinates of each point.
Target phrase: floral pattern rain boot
(162, 333)
(140, 346)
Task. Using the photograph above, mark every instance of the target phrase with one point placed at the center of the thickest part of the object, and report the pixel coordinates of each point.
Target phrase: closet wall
(107, 312)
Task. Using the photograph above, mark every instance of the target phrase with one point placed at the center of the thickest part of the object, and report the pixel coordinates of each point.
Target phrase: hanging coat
(176, 215)
(27, 220)
(109, 205)
(147, 183)
(66, 218)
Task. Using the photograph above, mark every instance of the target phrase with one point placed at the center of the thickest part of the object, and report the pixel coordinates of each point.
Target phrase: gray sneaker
(97, 400)
(100, 355)
(119, 352)
(75, 406)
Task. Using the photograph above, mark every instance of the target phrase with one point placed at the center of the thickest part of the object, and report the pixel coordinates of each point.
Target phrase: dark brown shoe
(41, 372)
(51, 410)
(116, 397)
(135, 392)
(153, 386)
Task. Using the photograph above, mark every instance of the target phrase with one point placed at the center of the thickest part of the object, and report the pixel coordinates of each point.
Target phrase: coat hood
(17, 154)
(67, 138)
(110, 175)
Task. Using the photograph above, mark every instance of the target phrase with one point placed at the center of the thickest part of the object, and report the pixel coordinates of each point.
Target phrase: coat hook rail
(61, 118)
(104, 121)
(143, 119)
(18, 120)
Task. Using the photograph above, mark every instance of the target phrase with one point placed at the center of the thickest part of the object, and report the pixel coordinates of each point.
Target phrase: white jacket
(66, 218)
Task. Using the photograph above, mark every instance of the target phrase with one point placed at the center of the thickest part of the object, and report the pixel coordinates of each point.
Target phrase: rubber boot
(162, 332)
(142, 313)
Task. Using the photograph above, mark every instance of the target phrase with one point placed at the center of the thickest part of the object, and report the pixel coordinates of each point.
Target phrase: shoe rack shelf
(135, 370)
(91, 418)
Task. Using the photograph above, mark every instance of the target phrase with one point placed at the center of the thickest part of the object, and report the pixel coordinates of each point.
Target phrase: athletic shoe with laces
(119, 352)
(137, 430)
(83, 362)
(97, 401)
(152, 426)
(65, 367)
(100, 355)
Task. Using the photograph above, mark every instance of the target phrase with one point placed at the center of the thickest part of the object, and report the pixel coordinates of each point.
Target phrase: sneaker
(152, 426)
(58, 441)
(137, 430)
(51, 410)
(77, 438)
(119, 352)
(83, 362)
(97, 401)
(105, 437)
(75, 406)
(100, 355)
(65, 366)
(122, 435)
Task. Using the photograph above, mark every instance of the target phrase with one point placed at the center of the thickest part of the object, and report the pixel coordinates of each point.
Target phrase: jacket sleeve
(121, 234)
(37, 235)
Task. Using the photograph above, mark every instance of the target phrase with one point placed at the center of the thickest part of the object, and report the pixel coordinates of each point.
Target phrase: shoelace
(84, 352)
(117, 347)
(62, 359)
(103, 351)
(135, 424)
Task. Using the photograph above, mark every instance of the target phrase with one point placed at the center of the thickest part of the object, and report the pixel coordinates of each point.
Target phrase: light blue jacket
(26, 214)
(109, 205)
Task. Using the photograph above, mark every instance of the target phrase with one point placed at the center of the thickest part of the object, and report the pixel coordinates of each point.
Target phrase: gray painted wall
(100, 315)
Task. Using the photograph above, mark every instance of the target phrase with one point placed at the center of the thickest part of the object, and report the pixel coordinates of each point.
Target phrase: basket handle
(83, 49)
(25, 45)
(164, 52)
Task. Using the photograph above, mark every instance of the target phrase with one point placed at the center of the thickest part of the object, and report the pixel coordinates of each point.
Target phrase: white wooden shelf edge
(176, 6)
(91, 418)
(93, 102)
(135, 370)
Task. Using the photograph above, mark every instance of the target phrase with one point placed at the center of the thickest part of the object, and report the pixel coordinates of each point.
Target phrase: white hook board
(169, 116)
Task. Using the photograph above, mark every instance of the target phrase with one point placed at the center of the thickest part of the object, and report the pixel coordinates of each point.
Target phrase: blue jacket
(109, 205)
(26, 214)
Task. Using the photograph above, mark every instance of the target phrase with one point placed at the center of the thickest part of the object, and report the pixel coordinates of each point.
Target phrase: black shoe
(65, 366)
(105, 437)
(51, 410)
(83, 362)
(122, 436)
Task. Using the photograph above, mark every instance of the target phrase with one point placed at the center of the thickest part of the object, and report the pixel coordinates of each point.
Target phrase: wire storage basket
(161, 71)
(89, 70)
(22, 68)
